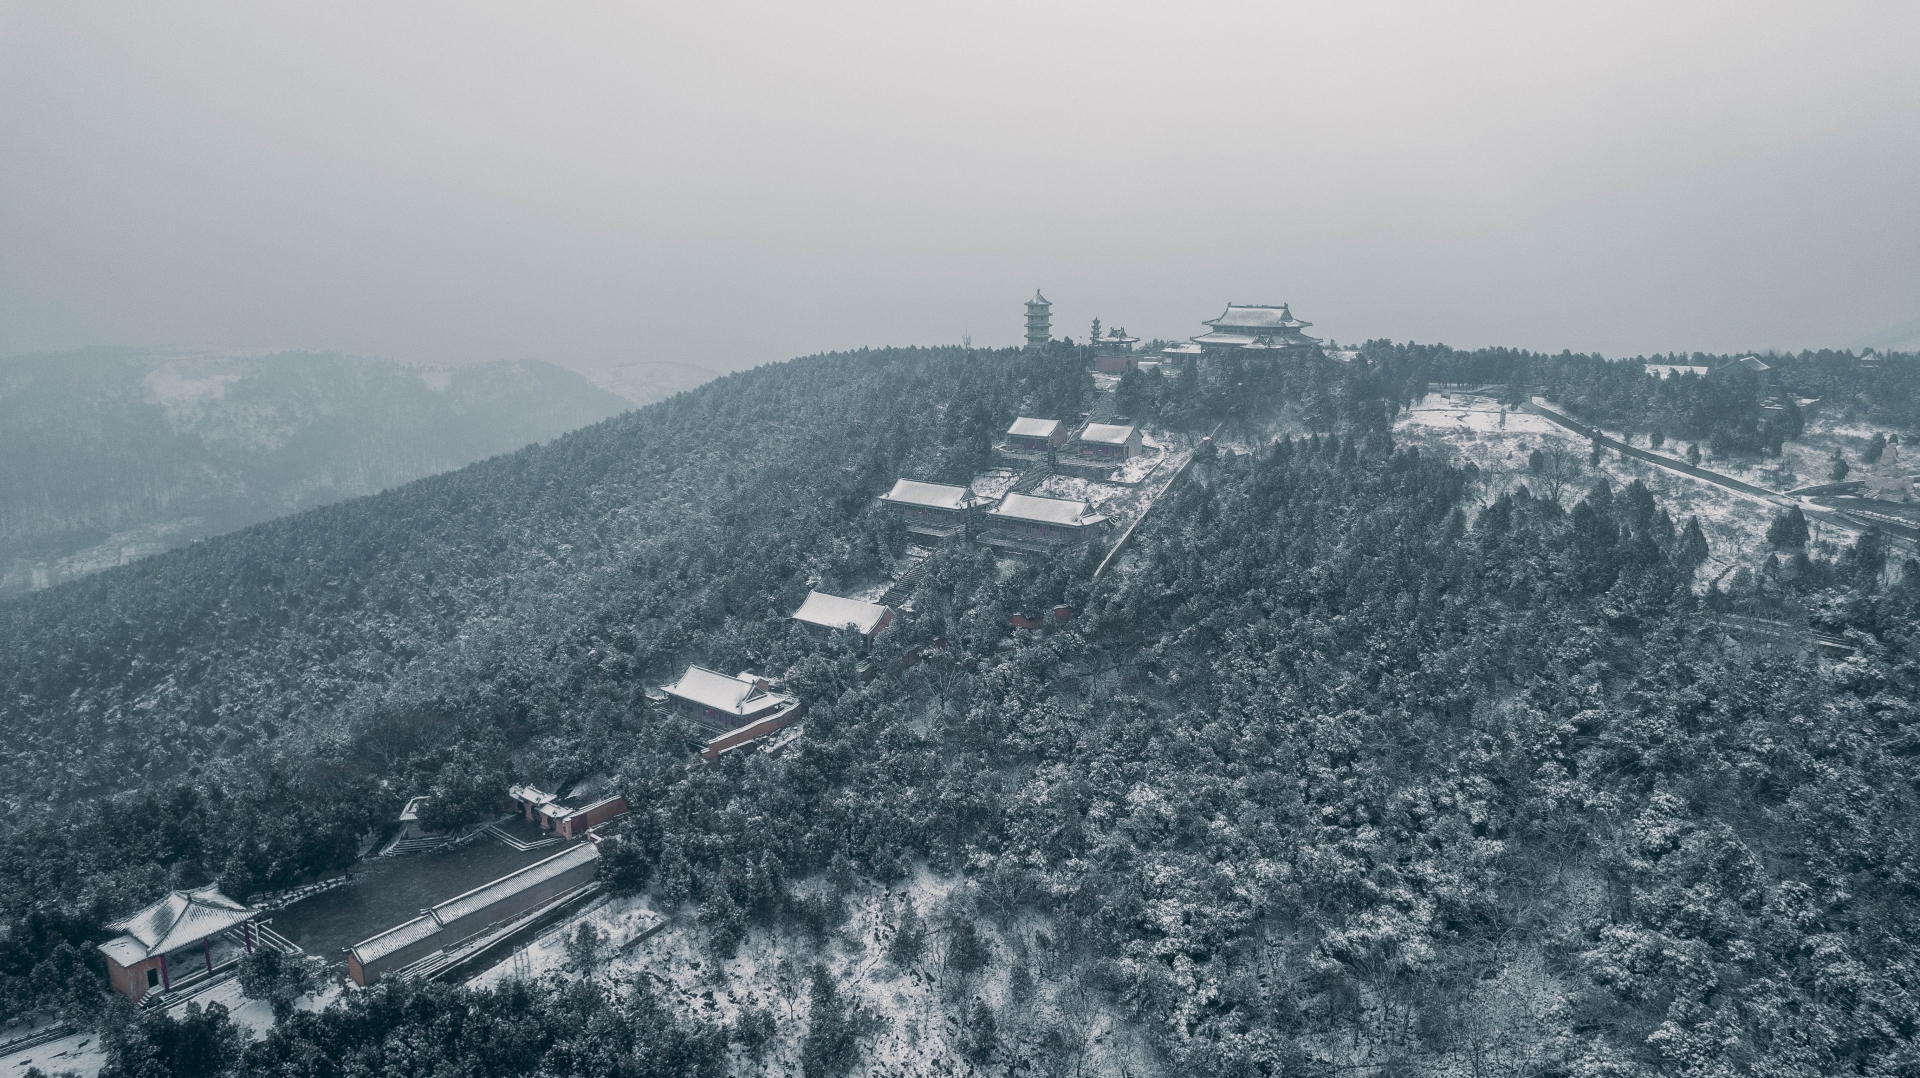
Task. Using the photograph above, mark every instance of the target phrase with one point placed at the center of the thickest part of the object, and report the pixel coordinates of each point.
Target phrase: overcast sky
(728, 184)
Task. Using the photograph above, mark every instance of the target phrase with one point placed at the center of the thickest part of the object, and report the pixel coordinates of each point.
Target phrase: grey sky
(729, 184)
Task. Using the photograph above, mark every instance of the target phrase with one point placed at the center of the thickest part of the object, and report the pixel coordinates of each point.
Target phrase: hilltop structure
(1256, 327)
(1052, 521)
(177, 925)
(1039, 321)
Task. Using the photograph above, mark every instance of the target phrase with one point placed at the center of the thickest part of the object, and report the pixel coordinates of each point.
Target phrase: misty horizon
(729, 186)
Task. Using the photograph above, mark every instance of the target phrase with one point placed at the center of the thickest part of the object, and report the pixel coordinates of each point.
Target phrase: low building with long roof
(935, 508)
(822, 614)
(1048, 520)
(1110, 441)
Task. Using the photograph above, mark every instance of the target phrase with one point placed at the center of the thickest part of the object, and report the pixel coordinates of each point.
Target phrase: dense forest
(116, 453)
(1345, 768)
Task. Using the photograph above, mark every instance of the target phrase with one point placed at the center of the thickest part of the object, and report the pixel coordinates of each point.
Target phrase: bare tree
(1555, 466)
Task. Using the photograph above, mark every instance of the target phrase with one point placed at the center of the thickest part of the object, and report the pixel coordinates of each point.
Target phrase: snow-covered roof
(1033, 428)
(1256, 340)
(179, 920)
(1664, 369)
(1259, 316)
(529, 793)
(411, 814)
(1107, 433)
(1187, 349)
(554, 810)
(835, 612)
(1037, 298)
(489, 893)
(1753, 364)
(931, 495)
(1043, 510)
(480, 898)
(709, 688)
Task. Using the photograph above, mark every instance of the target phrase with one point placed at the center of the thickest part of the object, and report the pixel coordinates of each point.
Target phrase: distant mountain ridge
(113, 454)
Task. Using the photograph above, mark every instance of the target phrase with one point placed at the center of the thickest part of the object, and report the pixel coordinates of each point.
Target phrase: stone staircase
(904, 586)
(1031, 478)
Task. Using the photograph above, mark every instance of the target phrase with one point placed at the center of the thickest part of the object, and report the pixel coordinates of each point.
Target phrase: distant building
(822, 614)
(1109, 441)
(1889, 480)
(1115, 340)
(723, 702)
(490, 906)
(174, 927)
(1664, 370)
(933, 508)
(1116, 364)
(1036, 435)
(1256, 327)
(1049, 520)
(1039, 321)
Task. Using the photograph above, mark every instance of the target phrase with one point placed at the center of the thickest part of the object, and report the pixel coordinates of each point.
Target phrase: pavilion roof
(1257, 316)
(181, 919)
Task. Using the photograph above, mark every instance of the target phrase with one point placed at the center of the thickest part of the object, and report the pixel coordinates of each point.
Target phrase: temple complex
(1039, 321)
(1256, 327)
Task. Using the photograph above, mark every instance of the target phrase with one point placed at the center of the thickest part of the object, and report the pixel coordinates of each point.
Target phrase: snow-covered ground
(919, 1031)
(1470, 428)
(82, 1054)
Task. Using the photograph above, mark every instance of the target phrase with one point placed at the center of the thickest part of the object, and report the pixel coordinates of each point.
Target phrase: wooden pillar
(246, 934)
(166, 983)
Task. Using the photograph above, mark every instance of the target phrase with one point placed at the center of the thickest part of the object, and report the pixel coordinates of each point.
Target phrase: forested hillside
(113, 454)
(1343, 770)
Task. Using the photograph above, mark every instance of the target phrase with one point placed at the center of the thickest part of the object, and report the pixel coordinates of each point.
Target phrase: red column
(246, 933)
(166, 983)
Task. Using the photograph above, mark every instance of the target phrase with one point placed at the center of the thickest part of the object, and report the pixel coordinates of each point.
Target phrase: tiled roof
(835, 612)
(1033, 428)
(181, 919)
(1107, 433)
(1042, 510)
(930, 495)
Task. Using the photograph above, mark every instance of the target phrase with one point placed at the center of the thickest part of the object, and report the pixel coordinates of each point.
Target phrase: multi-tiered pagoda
(1256, 327)
(1039, 321)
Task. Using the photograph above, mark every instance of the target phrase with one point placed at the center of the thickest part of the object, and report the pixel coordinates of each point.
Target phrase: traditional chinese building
(934, 508)
(1256, 327)
(1039, 321)
(1109, 441)
(1036, 435)
(724, 702)
(1049, 520)
(162, 944)
(822, 614)
(565, 821)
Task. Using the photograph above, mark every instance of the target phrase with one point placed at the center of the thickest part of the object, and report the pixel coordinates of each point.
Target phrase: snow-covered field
(1470, 428)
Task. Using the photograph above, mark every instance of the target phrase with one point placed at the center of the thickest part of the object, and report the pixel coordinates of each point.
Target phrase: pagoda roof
(1067, 513)
(930, 495)
(181, 919)
(1283, 338)
(835, 612)
(1025, 427)
(1256, 316)
(1039, 300)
